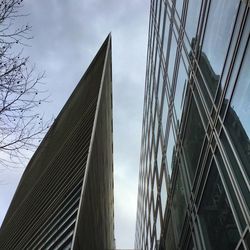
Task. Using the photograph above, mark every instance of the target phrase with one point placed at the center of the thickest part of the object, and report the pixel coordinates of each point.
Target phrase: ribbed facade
(194, 178)
(65, 197)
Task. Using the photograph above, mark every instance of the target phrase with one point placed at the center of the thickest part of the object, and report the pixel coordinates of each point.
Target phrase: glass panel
(217, 36)
(160, 84)
(178, 7)
(159, 157)
(179, 204)
(239, 52)
(155, 189)
(210, 80)
(170, 151)
(170, 242)
(230, 189)
(156, 126)
(158, 225)
(192, 18)
(157, 65)
(166, 32)
(164, 114)
(171, 61)
(164, 194)
(235, 167)
(179, 95)
(193, 138)
(217, 221)
(161, 18)
(238, 115)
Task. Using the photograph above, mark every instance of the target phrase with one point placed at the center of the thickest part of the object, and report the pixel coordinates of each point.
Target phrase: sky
(67, 35)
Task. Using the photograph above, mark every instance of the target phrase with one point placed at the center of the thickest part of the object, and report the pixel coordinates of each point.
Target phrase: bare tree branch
(21, 127)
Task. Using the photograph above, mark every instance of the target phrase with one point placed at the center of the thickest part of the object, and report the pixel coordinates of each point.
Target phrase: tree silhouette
(20, 126)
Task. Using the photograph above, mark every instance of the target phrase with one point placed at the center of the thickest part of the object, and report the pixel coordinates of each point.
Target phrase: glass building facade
(194, 178)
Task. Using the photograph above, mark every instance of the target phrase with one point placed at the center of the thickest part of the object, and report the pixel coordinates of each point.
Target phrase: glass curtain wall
(194, 180)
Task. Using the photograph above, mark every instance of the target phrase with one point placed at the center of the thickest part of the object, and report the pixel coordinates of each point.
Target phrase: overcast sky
(67, 35)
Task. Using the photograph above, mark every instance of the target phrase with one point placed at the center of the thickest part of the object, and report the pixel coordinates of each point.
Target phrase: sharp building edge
(65, 198)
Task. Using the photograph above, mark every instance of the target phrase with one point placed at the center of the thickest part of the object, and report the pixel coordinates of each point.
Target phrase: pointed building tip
(109, 37)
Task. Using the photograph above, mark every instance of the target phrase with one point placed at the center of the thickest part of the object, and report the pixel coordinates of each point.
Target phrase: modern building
(65, 197)
(194, 178)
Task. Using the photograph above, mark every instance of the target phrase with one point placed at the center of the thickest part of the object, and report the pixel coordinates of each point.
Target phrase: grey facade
(65, 197)
(194, 178)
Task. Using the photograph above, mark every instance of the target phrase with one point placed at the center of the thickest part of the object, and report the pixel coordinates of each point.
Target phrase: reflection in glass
(193, 139)
(179, 204)
(218, 31)
(217, 221)
(164, 114)
(160, 84)
(170, 242)
(178, 7)
(211, 79)
(170, 151)
(192, 18)
(171, 61)
(164, 194)
(159, 157)
(165, 33)
(230, 189)
(158, 225)
(179, 95)
(161, 17)
(238, 115)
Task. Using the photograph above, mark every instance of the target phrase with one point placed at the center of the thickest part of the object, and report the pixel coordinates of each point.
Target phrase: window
(179, 95)
(217, 221)
(179, 204)
(170, 151)
(193, 138)
(219, 28)
(238, 116)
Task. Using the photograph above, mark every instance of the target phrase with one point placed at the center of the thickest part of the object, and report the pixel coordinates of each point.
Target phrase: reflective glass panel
(217, 221)
(219, 28)
(158, 225)
(172, 56)
(192, 18)
(164, 194)
(179, 95)
(179, 204)
(166, 32)
(170, 242)
(159, 157)
(160, 84)
(193, 138)
(170, 151)
(178, 7)
(238, 115)
(230, 189)
(161, 18)
(164, 115)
